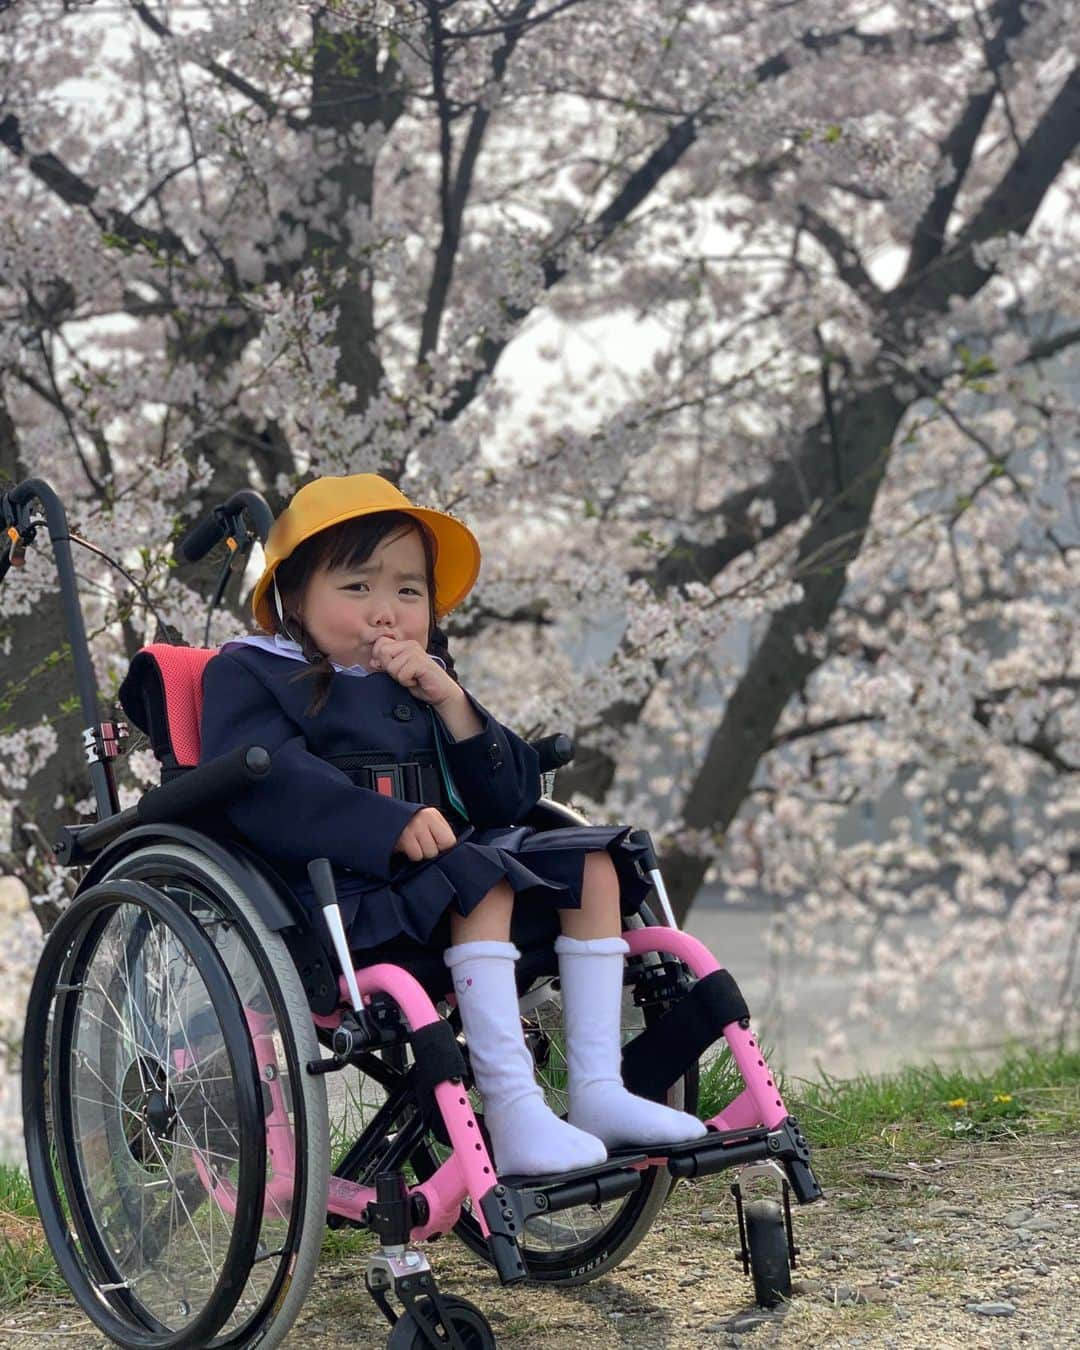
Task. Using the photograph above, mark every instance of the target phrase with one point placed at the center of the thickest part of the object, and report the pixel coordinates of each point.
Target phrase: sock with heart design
(527, 1137)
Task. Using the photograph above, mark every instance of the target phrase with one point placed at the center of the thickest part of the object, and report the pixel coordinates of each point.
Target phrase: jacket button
(403, 712)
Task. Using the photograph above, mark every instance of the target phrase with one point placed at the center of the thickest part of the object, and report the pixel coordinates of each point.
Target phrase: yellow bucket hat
(328, 501)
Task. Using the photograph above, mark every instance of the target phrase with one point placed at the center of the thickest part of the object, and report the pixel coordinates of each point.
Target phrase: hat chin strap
(280, 610)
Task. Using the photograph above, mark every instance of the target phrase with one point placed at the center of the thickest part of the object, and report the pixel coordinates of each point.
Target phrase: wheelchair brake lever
(322, 881)
(652, 871)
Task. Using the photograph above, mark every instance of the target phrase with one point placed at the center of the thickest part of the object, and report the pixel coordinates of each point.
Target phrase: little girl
(384, 764)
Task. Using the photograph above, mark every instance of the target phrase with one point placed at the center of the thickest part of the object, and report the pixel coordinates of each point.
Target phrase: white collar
(283, 646)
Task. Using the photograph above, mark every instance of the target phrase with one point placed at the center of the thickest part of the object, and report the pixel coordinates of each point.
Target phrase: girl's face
(345, 610)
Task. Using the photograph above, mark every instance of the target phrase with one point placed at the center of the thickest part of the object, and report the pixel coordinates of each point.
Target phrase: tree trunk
(782, 663)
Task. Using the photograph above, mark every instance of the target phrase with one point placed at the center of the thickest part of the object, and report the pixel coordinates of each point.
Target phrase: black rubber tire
(467, 1320)
(770, 1264)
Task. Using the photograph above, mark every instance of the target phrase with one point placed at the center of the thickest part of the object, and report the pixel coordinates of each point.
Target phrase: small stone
(871, 1293)
(756, 1317)
(991, 1309)
(806, 1286)
(1041, 1224)
(710, 1215)
(1018, 1218)
(1040, 1268)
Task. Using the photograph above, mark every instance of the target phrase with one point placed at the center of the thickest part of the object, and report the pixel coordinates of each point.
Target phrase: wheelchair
(188, 1017)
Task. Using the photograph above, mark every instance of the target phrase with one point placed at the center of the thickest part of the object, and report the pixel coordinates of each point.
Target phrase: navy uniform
(339, 787)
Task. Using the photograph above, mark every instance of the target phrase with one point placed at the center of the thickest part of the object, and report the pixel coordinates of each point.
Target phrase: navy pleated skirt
(544, 868)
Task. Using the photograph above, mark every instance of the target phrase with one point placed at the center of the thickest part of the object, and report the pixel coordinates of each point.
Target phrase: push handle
(199, 540)
(554, 751)
(202, 537)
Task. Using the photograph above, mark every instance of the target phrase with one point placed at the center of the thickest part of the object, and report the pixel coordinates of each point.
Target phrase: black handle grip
(322, 881)
(205, 786)
(554, 751)
(201, 538)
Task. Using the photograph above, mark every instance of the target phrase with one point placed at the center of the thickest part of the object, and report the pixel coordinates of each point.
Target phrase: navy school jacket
(305, 807)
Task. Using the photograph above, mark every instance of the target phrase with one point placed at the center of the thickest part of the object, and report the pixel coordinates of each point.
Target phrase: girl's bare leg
(599, 915)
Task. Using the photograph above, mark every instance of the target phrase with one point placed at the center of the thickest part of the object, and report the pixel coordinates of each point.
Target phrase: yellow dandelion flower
(1003, 1096)
(957, 1103)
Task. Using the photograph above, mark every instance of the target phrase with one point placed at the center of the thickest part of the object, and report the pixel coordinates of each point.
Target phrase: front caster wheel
(467, 1320)
(766, 1238)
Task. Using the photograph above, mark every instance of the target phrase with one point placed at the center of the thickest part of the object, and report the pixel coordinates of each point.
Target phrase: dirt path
(978, 1248)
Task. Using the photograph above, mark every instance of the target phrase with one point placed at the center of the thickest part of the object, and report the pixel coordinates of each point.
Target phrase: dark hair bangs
(352, 542)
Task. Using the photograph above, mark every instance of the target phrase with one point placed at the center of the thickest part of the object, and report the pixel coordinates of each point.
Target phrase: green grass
(912, 1112)
(1026, 1091)
(26, 1265)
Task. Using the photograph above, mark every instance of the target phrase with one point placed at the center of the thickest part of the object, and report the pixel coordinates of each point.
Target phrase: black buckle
(397, 780)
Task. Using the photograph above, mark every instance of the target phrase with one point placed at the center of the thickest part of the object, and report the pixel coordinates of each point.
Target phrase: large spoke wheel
(291, 1218)
(144, 1129)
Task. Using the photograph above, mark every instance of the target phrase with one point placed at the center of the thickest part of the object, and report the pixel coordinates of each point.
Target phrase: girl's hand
(408, 663)
(426, 836)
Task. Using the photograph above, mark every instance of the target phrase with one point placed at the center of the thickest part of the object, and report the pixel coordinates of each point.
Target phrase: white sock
(591, 976)
(527, 1137)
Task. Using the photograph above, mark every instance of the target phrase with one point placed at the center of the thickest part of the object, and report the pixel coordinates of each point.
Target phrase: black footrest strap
(662, 1053)
(438, 1059)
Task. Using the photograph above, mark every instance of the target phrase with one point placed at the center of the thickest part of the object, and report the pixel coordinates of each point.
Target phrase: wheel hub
(149, 1111)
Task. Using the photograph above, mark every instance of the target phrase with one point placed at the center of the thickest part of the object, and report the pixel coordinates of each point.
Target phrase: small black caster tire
(467, 1320)
(770, 1264)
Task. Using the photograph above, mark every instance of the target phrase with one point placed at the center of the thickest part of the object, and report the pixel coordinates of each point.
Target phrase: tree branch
(928, 240)
(453, 198)
(76, 191)
(254, 95)
(640, 183)
(845, 258)
(1009, 209)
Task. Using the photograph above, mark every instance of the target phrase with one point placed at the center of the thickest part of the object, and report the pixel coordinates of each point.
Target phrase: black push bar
(194, 791)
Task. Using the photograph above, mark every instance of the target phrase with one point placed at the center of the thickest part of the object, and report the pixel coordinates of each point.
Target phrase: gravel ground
(979, 1247)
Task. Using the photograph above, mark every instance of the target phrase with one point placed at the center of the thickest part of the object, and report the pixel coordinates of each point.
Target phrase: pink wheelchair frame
(469, 1171)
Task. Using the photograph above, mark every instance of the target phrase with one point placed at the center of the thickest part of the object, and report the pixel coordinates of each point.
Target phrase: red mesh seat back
(162, 694)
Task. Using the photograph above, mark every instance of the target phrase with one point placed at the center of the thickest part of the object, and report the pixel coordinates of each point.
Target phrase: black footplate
(513, 1200)
(720, 1149)
(585, 1186)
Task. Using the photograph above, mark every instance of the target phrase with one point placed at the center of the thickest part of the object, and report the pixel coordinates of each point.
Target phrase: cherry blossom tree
(743, 334)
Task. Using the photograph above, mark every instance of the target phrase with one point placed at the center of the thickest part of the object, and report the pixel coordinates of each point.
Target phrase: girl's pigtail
(439, 646)
(320, 670)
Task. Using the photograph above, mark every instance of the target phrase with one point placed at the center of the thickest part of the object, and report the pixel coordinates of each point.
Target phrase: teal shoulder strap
(452, 794)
